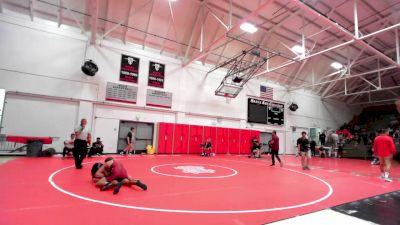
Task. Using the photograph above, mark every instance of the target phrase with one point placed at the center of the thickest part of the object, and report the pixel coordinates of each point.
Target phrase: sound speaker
(89, 68)
(293, 107)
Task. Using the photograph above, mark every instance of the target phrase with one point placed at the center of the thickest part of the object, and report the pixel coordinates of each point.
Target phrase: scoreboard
(264, 111)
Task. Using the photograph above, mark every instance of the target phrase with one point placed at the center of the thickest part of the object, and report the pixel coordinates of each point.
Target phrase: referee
(82, 139)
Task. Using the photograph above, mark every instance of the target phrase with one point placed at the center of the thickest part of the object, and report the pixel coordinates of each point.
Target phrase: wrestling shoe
(116, 189)
(106, 187)
(141, 185)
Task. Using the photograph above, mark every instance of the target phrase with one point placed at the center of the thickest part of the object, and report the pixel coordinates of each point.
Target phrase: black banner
(156, 74)
(129, 69)
(264, 111)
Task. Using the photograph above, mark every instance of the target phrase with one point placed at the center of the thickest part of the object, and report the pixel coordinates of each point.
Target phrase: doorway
(144, 135)
(264, 139)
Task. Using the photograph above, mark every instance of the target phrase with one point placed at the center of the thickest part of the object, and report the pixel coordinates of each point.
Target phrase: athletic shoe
(141, 185)
(121, 153)
(106, 187)
(116, 189)
(272, 165)
(307, 168)
(387, 179)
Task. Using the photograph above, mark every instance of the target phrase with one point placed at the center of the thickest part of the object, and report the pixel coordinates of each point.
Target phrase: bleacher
(370, 120)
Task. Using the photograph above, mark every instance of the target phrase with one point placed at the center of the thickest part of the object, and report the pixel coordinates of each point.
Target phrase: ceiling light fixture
(336, 65)
(248, 27)
(299, 50)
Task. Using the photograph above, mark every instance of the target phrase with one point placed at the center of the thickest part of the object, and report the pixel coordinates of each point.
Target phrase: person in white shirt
(82, 139)
(69, 145)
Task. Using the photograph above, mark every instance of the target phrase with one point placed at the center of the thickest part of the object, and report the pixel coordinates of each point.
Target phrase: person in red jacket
(384, 149)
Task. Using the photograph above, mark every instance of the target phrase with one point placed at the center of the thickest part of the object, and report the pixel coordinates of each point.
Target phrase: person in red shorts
(114, 174)
(384, 149)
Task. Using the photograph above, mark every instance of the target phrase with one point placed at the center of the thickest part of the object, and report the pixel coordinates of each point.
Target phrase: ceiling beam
(94, 11)
(218, 19)
(350, 64)
(215, 36)
(223, 37)
(193, 31)
(148, 23)
(131, 10)
(343, 78)
(1, 6)
(59, 14)
(374, 102)
(362, 92)
(340, 29)
(166, 34)
(353, 40)
(279, 25)
(78, 23)
(31, 9)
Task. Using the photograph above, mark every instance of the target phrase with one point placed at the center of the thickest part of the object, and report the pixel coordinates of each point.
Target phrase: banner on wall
(156, 74)
(121, 93)
(159, 98)
(129, 69)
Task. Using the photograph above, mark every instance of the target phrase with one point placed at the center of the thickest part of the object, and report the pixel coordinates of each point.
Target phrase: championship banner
(156, 75)
(121, 93)
(129, 69)
(159, 98)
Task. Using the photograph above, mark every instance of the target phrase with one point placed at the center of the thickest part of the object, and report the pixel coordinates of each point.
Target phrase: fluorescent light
(248, 27)
(299, 50)
(337, 65)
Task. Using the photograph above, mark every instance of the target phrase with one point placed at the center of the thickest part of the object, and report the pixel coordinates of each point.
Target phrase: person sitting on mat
(255, 148)
(97, 148)
(69, 145)
(113, 173)
(207, 148)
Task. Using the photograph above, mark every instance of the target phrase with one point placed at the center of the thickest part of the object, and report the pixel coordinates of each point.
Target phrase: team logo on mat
(194, 169)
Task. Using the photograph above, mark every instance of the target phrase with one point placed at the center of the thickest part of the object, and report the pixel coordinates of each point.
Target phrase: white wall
(43, 60)
(33, 116)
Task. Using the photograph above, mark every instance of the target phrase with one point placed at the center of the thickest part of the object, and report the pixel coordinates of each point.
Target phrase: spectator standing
(384, 149)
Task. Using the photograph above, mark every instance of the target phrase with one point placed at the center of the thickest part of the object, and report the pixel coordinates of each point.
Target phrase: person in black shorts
(130, 142)
(303, 146)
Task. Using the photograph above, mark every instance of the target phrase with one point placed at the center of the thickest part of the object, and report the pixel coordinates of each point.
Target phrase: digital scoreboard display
(264, 111)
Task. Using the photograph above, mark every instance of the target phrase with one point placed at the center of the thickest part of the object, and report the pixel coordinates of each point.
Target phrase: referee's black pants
(274, 153)
(80, 151)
